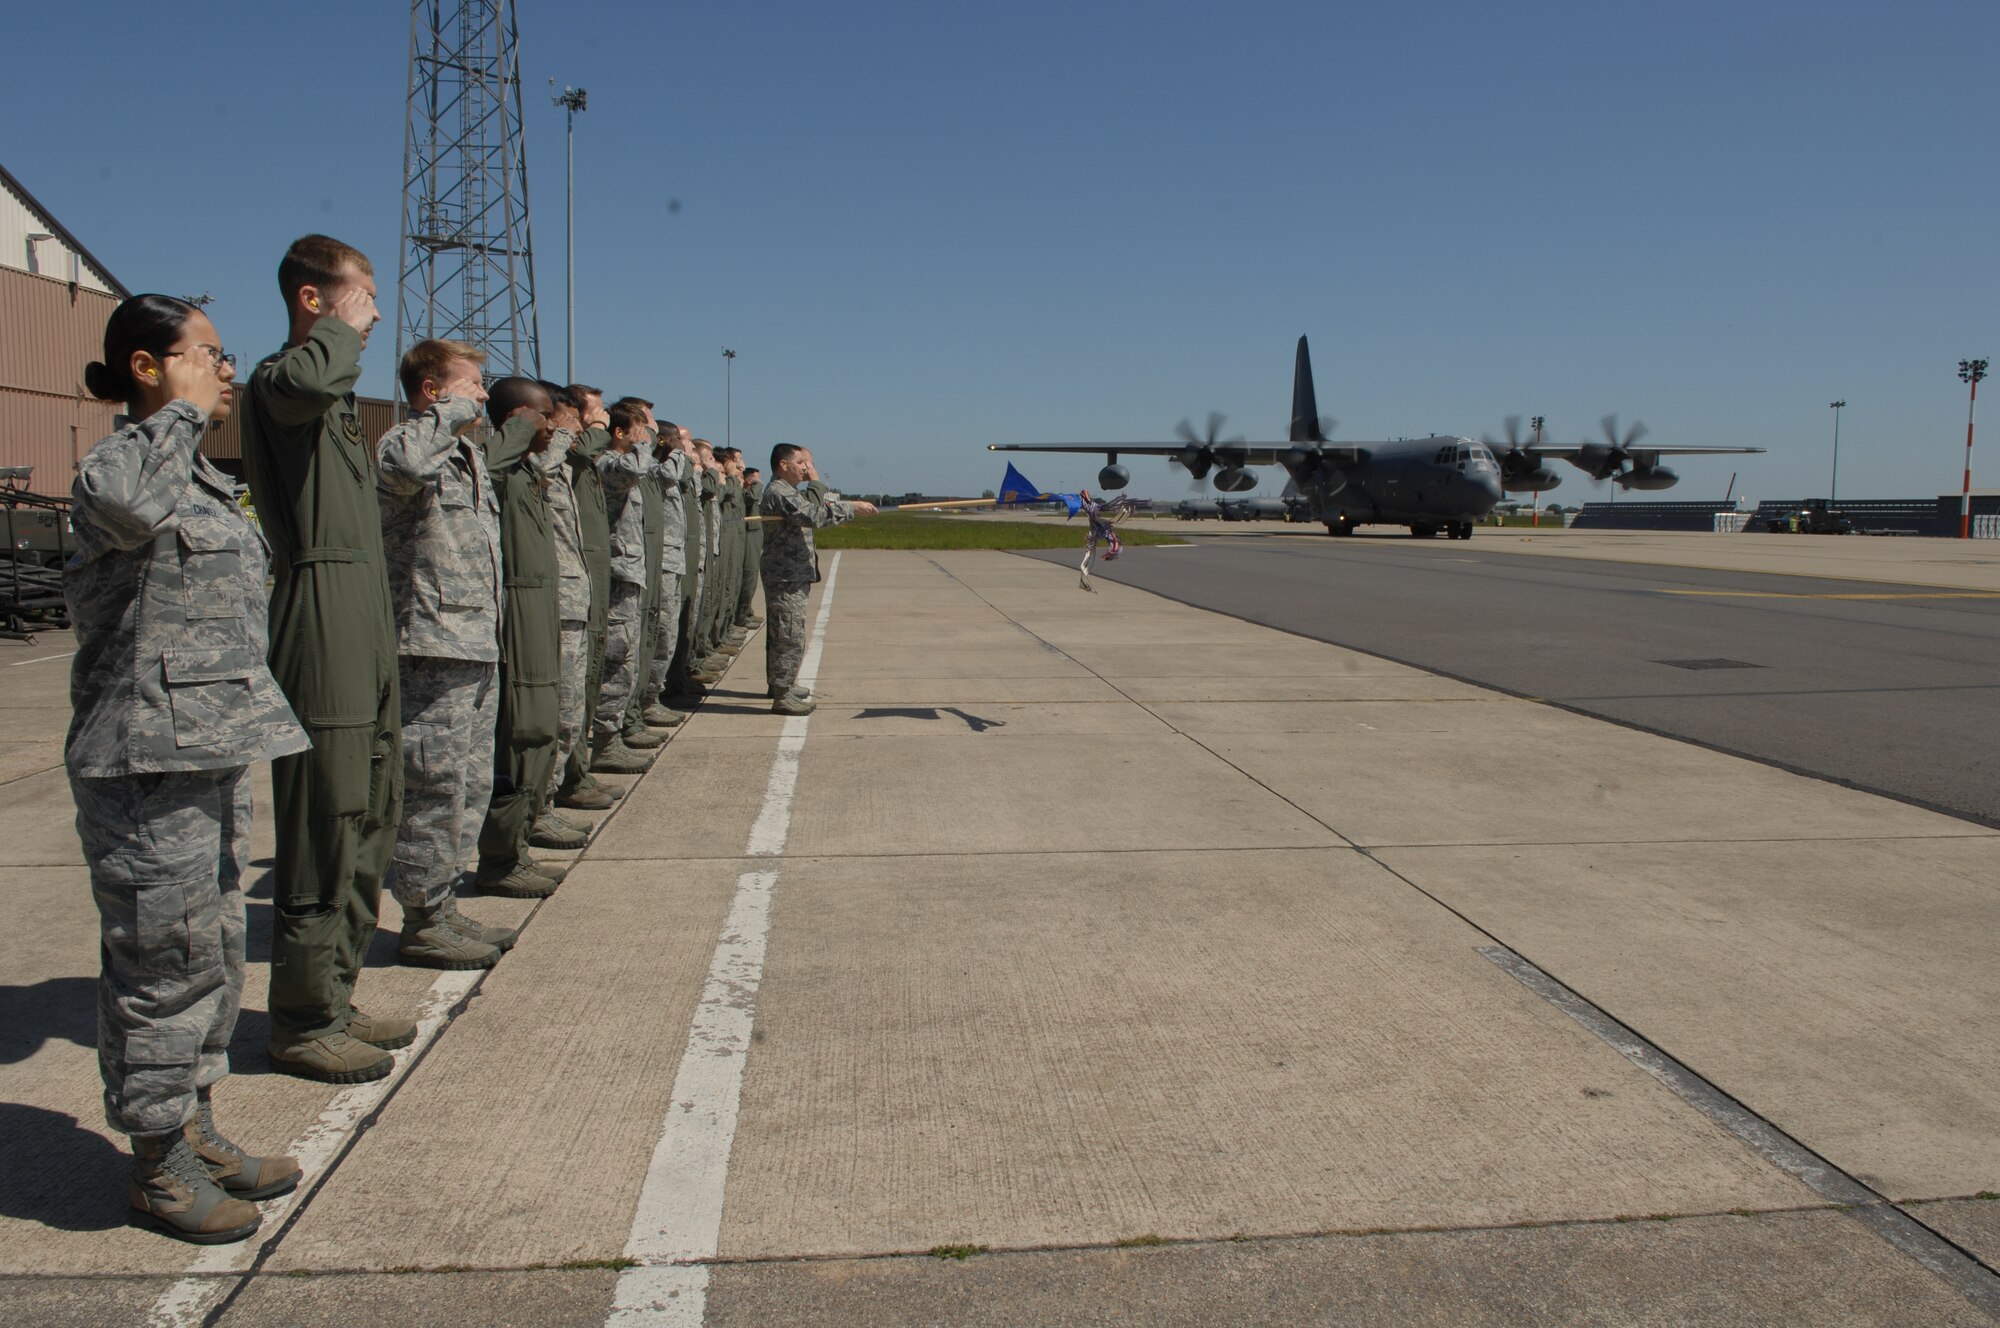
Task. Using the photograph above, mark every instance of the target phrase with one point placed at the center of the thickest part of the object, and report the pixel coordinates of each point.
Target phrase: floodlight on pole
(571, 100)
(1969, 371)
(728, 397)
(1833, 490)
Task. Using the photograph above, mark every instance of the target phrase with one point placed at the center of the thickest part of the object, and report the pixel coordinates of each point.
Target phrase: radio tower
(466, 270)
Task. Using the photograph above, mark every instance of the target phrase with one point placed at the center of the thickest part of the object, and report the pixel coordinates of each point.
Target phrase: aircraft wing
(1246, 454)
(1642, 450)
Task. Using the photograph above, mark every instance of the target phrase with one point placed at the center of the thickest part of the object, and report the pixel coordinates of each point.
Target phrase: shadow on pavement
(55, 1172)
(53, 1008)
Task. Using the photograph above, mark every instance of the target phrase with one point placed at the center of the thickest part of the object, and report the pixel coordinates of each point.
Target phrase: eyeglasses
(216, 354)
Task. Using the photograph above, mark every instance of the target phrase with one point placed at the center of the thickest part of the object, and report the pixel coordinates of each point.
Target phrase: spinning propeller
(1612, 458)
(1201, 455)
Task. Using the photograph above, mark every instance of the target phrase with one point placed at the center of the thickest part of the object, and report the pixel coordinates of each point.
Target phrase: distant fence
(1649, 516)
(1731, 523)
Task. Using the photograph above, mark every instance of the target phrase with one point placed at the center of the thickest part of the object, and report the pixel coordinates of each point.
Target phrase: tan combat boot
(173, 1192)
(430, 940)
(335, 1058)
(613, 757)
(381, 1030)
(519, 881)
(243, 1176)
(642, 739)
(552, 831)
(500, 938)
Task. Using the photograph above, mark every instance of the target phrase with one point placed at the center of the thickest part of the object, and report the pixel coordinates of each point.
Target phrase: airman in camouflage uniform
(551, 829)
(441, 537)
(171, 702)
(790, 566)
(753, 548)
(621, 469)
(579, 788)
(675, 463)
(681, 689)
(633, 729)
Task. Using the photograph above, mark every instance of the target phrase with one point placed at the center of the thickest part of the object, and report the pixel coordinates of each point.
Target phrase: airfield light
(1969, 371)
(571, 100)
(1833, 490)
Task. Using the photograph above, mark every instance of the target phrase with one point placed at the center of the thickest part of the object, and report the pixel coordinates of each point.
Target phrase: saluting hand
(356, 308)
(193, 378)
(534, 416)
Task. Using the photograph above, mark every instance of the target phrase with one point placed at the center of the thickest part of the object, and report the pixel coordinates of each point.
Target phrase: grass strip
(907, 530)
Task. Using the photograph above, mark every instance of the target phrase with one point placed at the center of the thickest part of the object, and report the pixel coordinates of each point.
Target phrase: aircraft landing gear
(1340, 525)
(1461, 530)
(1423, 530)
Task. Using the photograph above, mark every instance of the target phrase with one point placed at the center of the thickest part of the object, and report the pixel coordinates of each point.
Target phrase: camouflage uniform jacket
(711, 512)
(788, 541)
(626, 508)
(572, 572)
(691, 517)
(440, 535)
(166, 590)
(673, 517)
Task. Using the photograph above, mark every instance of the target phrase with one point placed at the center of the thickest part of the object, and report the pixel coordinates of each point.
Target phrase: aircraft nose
(1488, 485)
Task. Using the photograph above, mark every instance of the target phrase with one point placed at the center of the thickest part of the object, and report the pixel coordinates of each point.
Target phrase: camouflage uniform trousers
(784, 633)
(572, 693)
(668, 627)
(449, 709)
(167, 855)
(621, 666)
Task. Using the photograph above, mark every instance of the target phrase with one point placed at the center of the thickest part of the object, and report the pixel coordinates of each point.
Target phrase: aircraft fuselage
(1428, 484)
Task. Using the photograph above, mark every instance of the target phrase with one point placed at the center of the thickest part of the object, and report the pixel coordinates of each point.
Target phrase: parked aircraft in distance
(1442, 484)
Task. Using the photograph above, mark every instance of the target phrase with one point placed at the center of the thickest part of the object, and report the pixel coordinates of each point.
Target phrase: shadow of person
(52, 1008)
(55, 1172)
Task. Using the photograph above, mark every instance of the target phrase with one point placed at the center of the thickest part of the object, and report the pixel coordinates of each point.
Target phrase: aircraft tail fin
(1305, 403)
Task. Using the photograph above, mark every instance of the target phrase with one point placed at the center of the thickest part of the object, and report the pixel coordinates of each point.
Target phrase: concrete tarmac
(1127, 963)
(1875, 682)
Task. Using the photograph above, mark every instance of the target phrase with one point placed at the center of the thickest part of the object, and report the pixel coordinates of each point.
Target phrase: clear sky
(930, 226)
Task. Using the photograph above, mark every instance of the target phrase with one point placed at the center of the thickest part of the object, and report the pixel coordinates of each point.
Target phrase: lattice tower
(466, 269)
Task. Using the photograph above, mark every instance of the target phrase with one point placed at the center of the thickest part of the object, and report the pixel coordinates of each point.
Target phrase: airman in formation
(515, 587)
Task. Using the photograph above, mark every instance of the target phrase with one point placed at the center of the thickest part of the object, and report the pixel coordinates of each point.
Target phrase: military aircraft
(1441, 484)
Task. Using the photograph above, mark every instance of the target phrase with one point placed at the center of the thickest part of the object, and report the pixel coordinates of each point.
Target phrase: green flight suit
(333, 652)
(524, 742)
(730, 589)
(653, 496)
(594, 518)
(753, 550)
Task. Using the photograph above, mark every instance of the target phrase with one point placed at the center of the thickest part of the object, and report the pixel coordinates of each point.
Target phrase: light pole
(728, 397)
(1969, 371)
(571, 100)
(1833, 491)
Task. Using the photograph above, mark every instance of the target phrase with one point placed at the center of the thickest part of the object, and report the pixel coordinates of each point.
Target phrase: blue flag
(1016, 488)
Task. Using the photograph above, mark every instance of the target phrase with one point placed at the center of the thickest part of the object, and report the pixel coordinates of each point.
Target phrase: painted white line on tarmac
(23, 663)
(189, 1301)
(677, 1227)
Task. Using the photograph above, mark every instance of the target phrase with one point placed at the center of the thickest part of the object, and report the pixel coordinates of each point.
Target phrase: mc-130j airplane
(1431, 485)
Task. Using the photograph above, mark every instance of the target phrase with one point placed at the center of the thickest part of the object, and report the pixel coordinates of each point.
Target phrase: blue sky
(930, 226)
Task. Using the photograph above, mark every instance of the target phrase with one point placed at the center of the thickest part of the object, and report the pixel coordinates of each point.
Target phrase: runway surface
(1890, 688)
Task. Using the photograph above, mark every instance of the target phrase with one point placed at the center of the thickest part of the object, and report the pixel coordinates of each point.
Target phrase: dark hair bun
(107, 384)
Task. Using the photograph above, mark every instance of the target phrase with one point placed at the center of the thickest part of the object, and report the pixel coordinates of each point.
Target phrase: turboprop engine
(1236, 480)
(1648, 477)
